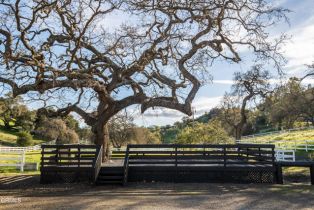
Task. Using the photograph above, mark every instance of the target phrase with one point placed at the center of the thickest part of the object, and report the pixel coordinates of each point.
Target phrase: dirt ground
(25, 192)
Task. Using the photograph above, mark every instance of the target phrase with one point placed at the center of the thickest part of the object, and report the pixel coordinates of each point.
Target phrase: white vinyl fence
(278, 132)
(285, 155)
(305, 145)
(26, 149)
(13, 158)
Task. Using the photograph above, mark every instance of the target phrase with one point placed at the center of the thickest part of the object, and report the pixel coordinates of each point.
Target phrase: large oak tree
(70, 53)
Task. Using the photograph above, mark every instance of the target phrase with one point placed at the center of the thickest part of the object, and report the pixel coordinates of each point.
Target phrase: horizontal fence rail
(285, 155)
(205, 163)
(69, 162)
(12, 159)
(304, 145)
(26, 149)
(278, 132)
(225, 155)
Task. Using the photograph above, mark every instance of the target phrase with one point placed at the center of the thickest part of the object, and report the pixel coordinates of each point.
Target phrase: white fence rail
(13, 158)
(285, 155)
(305, 145)
(26, 149)
(278, 132)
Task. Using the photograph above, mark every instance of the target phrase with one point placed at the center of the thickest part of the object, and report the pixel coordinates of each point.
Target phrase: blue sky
(299, 50)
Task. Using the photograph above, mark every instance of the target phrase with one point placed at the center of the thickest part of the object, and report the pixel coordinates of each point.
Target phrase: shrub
(56, 129)
(203, 133)
(24, 139)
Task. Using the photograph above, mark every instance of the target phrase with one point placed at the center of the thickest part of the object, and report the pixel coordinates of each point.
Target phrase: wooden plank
(296, 163)
(250, 152)
(70, 146)
(68, 153)
(65, 169)
(312, 174)
(200, 146)
(67, 158)
(279, 174)
(202, 168)
(67, 163)
(199, 157)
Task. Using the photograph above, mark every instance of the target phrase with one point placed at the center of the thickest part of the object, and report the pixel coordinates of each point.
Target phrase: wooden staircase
(109, 175)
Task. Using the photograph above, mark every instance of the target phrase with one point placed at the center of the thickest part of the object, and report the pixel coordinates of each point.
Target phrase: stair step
(111, 169)
(101, 177)
(111, 173)
(100, 182)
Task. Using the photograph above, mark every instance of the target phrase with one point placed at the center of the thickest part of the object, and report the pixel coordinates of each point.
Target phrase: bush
(56, 129)
(203, 133)
(24, 139)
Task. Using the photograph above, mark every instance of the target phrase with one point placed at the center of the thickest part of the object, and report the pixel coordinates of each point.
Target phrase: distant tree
(201, 133)
(25, 121)
(289, 103)
(168, 134)
(24, 139)
(71, 122)
(213, 113)
(310, 71)
(146, 136)
(121, 130)
(307, 104)
(56, 129)
(247, 87)
(14, 113)
(85, 134)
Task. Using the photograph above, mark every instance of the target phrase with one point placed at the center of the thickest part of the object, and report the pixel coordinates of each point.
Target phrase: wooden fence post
(225, 160)
(176, 156)
(312, 174)
(22, 161)
(279, 174)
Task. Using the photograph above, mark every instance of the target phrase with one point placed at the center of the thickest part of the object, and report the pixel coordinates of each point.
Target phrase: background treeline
(252, 106)
(283, 106)
(17, 119)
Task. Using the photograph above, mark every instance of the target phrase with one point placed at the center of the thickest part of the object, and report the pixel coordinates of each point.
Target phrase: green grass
(288, 140)
(9, 137)
(289, 136)
(30, 157)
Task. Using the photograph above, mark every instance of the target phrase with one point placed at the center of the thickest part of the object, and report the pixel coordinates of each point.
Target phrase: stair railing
(126, 166)
(97, 164)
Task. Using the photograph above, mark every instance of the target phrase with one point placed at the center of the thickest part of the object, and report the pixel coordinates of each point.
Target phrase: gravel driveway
(24, 192)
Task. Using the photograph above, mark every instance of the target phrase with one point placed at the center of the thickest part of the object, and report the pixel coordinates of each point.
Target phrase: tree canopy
(63, 53)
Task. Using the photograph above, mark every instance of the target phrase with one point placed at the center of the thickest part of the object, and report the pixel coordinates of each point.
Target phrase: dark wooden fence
(69, 163)
(245, 163)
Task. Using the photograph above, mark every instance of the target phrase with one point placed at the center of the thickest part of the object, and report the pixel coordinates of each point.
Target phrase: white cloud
(223, 82)
(162, 116)
(299, 51)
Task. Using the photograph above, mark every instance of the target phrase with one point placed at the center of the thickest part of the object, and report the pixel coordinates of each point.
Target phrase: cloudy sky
(299, 50)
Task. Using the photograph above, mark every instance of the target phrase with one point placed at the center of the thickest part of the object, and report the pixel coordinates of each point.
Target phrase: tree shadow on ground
(150, 195)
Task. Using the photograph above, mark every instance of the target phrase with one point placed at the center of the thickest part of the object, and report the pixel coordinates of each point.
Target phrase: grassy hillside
(30, 157)
(300, 136)
(9, 137)
(289, 140)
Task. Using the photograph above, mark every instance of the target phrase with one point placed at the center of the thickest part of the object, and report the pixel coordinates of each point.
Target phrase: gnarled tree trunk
(238, 132)
(101, 137)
